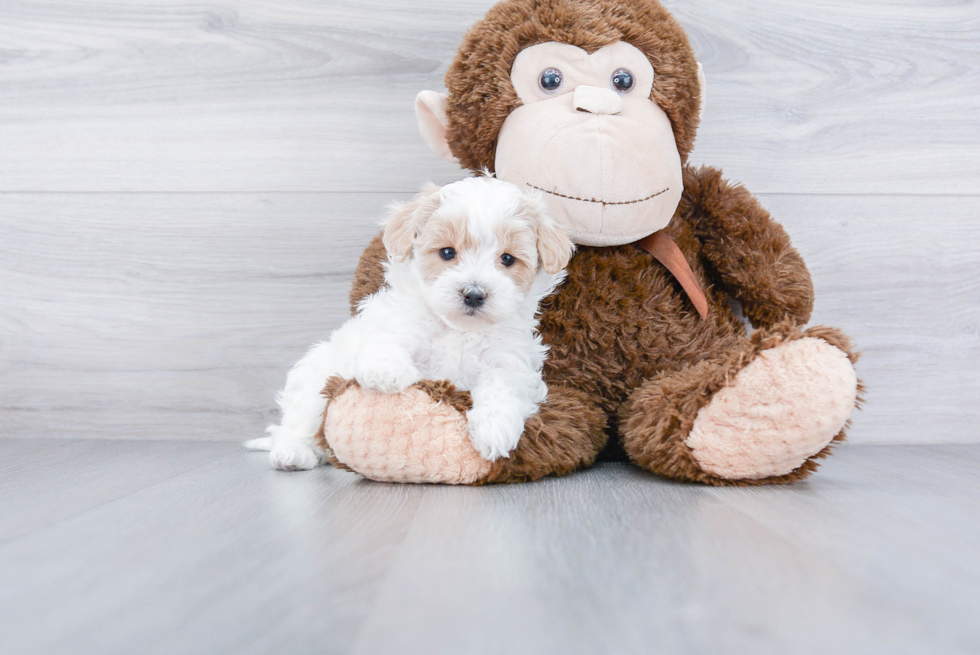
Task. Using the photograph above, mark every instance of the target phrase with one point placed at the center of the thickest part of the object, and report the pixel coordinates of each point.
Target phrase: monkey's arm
(369, 276)
(750, 253)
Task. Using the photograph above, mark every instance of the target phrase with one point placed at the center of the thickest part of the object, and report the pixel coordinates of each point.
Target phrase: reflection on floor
(113, 546)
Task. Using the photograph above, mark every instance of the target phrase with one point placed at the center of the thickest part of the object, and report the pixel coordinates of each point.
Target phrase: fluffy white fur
(417, 328)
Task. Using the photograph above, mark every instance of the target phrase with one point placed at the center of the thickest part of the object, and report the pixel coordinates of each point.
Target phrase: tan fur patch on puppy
(441, 232)
(405, 221)
(518, 239)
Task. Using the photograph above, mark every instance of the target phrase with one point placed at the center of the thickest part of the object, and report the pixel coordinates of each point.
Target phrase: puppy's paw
(387, 376)
(293, 456)
(493, 434)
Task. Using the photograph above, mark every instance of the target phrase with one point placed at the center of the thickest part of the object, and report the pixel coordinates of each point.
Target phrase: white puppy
(468, 265)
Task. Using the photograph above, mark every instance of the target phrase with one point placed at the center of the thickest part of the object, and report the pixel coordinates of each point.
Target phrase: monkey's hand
(751, 253)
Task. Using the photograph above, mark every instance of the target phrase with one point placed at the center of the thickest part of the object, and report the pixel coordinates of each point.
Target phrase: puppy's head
(477, 246)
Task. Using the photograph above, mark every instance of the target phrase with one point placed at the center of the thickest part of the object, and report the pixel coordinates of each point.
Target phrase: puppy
(468, 264)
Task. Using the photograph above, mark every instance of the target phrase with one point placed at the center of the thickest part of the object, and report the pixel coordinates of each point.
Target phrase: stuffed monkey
(597, 104)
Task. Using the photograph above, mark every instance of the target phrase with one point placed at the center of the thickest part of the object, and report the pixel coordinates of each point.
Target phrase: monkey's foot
(784, 407)
(418, 435)
(762, 413)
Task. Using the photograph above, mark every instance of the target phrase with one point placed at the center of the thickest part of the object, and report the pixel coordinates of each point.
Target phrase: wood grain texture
(842, 97)
(613, 561)
(43, 482)
(875, 555)
(167, 316)
(227, 558)
(899, 274)
(176, 316)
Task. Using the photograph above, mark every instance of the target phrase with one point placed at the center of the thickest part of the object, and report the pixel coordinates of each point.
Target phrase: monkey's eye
(622, 80)
(550, 80)
(448, 254)
(508, 259)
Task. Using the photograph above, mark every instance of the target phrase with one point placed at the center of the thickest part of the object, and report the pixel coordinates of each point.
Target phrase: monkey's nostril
(594, 100)
(474, 297)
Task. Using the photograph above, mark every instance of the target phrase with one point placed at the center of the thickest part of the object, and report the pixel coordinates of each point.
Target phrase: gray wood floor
(167, 547)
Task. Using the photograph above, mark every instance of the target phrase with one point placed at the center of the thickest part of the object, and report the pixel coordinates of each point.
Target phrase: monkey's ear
(704, 94)
(430, 111)
(405, 220)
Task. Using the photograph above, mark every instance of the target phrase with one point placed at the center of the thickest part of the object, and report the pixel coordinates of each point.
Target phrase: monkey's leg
(565, 435)
(761, 414)
(420, 436)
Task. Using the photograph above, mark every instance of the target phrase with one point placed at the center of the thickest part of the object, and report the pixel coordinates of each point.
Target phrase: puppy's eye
(448, 254)
(550, 80)
(622, 80)
(508, 259)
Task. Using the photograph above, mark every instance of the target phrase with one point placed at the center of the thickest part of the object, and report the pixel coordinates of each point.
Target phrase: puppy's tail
(262, 443)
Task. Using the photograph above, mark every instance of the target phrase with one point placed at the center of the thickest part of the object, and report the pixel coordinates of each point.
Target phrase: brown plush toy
(597, 104)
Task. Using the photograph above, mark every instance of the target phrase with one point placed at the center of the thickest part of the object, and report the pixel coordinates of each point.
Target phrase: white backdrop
(185, 189)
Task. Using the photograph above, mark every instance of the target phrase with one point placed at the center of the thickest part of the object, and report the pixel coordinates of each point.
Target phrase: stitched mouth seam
(600, 202)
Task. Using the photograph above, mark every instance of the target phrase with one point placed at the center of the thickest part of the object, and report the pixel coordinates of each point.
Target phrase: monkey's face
(589, 136)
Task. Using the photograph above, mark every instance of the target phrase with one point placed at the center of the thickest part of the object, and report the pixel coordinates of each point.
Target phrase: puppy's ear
(405, 220)
(554, 246)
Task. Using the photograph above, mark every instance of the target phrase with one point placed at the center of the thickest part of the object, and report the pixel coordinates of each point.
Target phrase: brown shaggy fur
(627, 342)
(630, 357)
(481, 94)
(370, 278)
(443, 391)
(566, 434)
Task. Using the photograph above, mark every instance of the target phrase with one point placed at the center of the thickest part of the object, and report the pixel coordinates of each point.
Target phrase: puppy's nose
(593, 100)
(474, 297)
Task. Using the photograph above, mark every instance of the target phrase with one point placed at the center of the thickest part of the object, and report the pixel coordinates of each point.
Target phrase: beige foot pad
(406, 437)
(783, 408)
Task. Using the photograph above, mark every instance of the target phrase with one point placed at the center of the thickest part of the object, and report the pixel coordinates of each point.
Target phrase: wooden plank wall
(185, 189)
